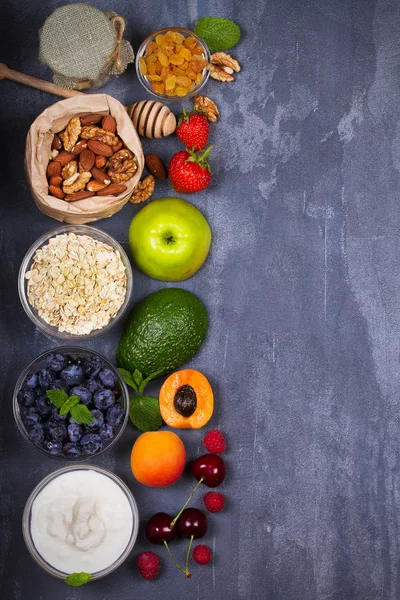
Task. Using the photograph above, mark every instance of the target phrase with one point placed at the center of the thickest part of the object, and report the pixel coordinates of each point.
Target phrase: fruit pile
(70, 407)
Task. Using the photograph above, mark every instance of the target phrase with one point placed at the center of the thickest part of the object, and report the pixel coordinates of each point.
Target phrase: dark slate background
(302, 287)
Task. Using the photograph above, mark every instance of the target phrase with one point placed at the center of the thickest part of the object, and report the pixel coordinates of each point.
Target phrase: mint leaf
(149, 378)
(57, 397)
(76, 579)
(137, 378)
(68, 404)
(127, 377)
(218, 33)
(145, 413)
(82, 414)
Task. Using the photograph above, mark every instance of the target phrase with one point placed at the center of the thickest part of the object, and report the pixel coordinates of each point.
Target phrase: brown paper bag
(38, 148)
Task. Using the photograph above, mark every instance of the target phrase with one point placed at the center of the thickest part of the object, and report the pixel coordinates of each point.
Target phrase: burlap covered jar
(38, 150)
(84, 46)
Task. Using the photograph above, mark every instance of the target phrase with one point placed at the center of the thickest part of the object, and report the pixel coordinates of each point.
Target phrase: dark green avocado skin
(165, 330)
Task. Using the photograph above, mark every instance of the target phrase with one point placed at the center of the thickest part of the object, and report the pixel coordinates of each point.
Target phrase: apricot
(158, 458)
(186, 399)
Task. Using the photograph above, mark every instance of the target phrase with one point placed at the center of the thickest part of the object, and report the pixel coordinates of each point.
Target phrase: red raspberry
(215, 442)
(202, 554)
(214, 501)
(148, 564)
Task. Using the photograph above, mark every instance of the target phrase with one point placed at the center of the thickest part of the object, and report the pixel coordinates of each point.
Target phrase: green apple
(169, 239)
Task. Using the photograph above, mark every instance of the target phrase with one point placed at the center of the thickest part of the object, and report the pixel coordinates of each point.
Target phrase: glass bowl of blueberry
(71, 403)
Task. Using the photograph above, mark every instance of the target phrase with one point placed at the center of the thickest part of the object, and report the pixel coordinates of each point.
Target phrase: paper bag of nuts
(83, 159)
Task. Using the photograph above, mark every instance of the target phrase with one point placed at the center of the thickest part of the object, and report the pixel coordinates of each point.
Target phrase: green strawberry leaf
(77, 579)
(128, 378)
(68, 404)
(82, 414)
(57, 397)
(218, 33)
(145, 413)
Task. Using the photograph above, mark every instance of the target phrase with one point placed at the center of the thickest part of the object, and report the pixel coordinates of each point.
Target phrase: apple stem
(186, 503)
(184, 571)
(188, 554)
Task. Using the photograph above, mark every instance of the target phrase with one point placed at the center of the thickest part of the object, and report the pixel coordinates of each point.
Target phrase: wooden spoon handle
(45, 86)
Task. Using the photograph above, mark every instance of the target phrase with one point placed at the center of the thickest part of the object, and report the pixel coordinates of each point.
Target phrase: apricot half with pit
(186, 400)
(158, 458)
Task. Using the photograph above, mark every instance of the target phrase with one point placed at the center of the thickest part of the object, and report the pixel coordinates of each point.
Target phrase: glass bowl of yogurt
(80, 518)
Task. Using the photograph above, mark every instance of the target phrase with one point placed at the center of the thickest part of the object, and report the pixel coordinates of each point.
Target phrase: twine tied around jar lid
(84, 46)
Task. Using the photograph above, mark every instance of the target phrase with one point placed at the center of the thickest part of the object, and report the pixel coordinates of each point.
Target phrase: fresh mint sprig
(218, 33)
(145, 410)
(77, 579)
(72, 404)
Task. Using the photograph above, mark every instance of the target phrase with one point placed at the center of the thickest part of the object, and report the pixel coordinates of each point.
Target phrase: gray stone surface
(302, 286)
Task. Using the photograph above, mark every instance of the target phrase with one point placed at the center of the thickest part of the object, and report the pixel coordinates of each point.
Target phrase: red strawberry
(190, 172)
(193, 130)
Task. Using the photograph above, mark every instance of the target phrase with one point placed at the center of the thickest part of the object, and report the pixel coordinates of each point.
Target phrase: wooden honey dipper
(151, 119)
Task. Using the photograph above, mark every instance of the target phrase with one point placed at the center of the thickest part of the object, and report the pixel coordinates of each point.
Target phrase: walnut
(79, 184)
(219, 74)
(121, 166)
(71, 133)
(143, 190)
(69, 169)
(91, 132)
(207, 107)
(225, 60)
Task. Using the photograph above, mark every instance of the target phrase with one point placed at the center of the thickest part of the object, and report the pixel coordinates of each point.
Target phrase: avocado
(164, 331)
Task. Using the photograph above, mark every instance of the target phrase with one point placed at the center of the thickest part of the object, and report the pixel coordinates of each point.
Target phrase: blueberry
(116, 391)
(59, 385)
(32, 381)
(115, 415)
(80, 360)
(26, 397)
(94, 385)
(43, 405)
(56, 415)
(71, 420)
(107, 377)
(91, 443)
(72, 375)
(83, 393)
(53, 447)
(46, 378)
(56, 361)
(70, 359)
(31, 417)
(70, 449)
(74, 432)
(92, 366)
(106, 432)
(103, 399)
(56, 430)
(36, 433)
(98, 420)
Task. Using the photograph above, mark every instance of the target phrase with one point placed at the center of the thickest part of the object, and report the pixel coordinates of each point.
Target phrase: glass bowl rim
(51, 330)
(69, 350)
(145, 82)
(26, 529)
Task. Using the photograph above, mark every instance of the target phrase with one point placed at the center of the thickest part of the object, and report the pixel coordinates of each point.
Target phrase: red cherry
(158, 529)
(210, 468)
(192, 523)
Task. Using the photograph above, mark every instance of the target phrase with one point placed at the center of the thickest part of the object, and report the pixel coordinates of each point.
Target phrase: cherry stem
(185, 572)
(186, 503)
(188, 554)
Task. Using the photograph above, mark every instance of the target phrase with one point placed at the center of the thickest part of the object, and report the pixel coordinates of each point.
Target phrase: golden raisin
(170, 82)
(142, 65)
(187, 55)
(163, 58)
(160, 39)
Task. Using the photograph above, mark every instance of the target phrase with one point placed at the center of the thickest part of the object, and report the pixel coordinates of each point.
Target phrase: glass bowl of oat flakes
(75, 282)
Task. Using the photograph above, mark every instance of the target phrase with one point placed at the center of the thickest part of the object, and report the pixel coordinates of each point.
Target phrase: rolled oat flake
(84, 46)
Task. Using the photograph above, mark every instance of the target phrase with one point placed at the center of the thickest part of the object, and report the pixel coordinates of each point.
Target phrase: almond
(100, 175)
(56, 144)
(156, 166)
(78, 196)
(86, 160)
(56, 191)
(91, 119)
(118, 146)
(112, 190)
(95, 186)
(53, 169)
(64, 157)
(100, 162)
(79, 147)
(109, 123)
(56, 180)
(100, 148)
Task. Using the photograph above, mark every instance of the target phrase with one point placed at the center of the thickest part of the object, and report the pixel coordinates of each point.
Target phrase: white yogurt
(81, 521)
